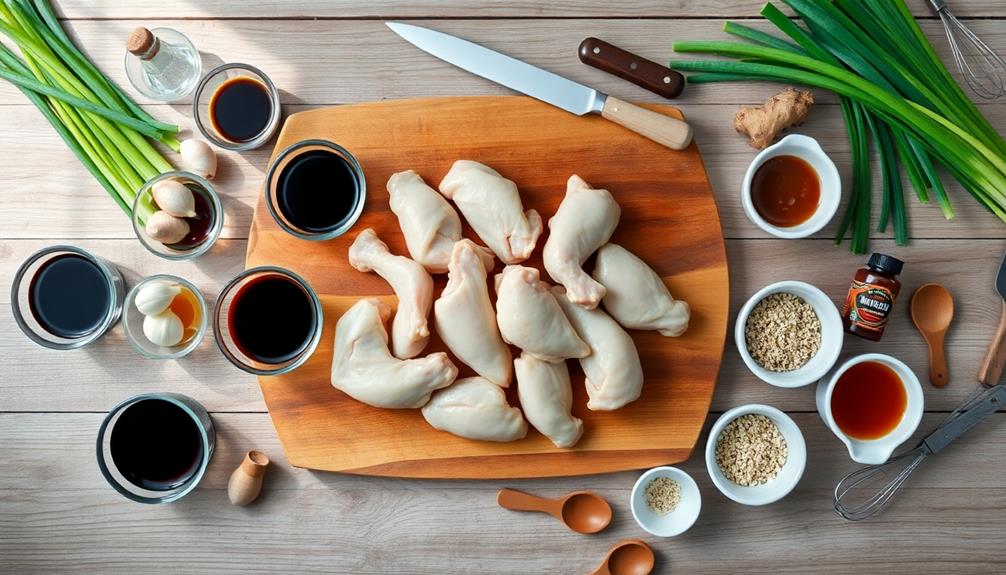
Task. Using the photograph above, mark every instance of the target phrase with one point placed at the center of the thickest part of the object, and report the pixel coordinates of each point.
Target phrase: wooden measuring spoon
(582, 511)
(629, 557)
(932, 312)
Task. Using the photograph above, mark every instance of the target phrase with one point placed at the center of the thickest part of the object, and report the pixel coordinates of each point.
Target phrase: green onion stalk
(893, 90)
(109, 133)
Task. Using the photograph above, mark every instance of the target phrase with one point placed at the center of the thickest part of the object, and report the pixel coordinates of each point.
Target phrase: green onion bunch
(104, 128)
(894, 91)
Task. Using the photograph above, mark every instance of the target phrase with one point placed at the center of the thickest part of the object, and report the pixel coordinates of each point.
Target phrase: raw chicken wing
(412, 284)
(464, 317)
(429, 223)
(365, 370)
(614, 373)
(585, 220)
(546, 396)
(636, 296)
(475, 408)
(530, 317)
(491, 205)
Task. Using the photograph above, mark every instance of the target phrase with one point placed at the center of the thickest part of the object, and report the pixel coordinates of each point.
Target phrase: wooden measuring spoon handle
(602, 569)
(992, 366)
(664, 130)
(519, 501)
(937, 360)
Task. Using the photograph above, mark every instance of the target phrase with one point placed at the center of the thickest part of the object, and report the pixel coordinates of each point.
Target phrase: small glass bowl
(132, 321)
(115, 478)
(199, 185)
(20, 298)
(222, 332)
(276, 170)
(204, 96)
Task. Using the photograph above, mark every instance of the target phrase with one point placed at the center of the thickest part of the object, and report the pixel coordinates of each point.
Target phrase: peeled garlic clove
(175, 198)
(199, 158)
(163, 329)
(155, 297)
(166, 228)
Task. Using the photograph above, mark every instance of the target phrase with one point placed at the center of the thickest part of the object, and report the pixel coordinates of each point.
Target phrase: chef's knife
(992, 367)
(546, 86)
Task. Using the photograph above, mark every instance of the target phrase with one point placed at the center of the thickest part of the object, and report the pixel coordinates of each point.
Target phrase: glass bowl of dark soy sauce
(268, 321)
(201, 229)
(155, 447)
(315, 190)
(64, 297)
(237, 107)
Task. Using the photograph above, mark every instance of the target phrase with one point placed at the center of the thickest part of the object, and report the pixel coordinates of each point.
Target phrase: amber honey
(868, 401)
(785, 191)
(186, 307)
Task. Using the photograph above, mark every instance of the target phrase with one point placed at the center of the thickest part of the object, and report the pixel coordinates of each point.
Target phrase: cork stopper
(255, 463)
(142, 43)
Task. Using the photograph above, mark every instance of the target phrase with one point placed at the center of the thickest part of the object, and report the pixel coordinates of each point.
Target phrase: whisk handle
(937, 6)
(984, 405)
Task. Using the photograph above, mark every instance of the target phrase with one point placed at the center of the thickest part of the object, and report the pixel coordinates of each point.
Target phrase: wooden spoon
(581, 511)
(932, 312)
(630, 557)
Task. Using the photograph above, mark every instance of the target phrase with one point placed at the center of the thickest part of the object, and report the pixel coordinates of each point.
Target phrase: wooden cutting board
(669, 219)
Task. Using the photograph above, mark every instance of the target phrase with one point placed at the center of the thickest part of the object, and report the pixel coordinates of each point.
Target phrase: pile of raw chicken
(549, 324)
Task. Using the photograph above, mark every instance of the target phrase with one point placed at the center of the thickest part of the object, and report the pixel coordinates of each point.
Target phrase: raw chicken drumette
(475, 408)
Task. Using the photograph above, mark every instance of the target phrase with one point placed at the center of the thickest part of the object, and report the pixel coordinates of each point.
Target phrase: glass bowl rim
(274, 116)
(189, 346)
(215, 205)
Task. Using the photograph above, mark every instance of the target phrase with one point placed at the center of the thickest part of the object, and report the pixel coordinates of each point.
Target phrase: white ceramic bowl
(808, 149)
(832, 335)
(787, 478)
(676, 522)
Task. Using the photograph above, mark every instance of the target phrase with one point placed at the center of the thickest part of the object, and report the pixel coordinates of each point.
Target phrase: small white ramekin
(676, 522)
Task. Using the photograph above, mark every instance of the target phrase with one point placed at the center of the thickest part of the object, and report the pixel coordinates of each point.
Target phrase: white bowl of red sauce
(792, 188)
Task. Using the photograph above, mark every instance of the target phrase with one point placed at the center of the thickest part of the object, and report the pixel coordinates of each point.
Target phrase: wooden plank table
(57, 514)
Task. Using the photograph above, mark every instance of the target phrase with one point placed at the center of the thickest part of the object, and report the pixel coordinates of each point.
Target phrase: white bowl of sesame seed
(789, 334)
(665, 501)
(755, 454)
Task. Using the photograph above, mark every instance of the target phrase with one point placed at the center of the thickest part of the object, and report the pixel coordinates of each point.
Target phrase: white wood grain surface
(57, 515)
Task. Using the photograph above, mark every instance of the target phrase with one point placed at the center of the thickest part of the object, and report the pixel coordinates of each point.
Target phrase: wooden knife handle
(992, 366)
(644, 73)
(665, 130)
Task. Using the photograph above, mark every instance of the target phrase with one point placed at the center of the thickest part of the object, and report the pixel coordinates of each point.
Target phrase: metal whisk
(983, 69)
(956, 424)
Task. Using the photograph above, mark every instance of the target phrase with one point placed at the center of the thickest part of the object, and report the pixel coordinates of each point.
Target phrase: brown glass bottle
(871, 297)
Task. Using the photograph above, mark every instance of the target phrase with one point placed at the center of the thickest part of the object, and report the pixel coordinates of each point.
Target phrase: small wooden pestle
(246, 481)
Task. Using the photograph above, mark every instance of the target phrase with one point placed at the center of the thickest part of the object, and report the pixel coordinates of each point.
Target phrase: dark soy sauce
(156, 445)
(271, 319)
(317, 190)
(200, 224)
(69, 296)
(240, 109)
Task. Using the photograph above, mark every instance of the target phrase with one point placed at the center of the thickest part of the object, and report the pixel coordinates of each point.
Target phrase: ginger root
(763, 124)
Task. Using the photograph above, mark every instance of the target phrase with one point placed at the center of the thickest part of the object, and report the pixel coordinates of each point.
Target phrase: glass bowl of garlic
(164, 317)
(177, 215)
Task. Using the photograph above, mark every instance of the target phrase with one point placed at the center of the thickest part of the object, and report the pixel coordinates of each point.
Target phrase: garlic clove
(166, 228)
(175, 198)
(199, 158)
(155, 297)
(164, 329)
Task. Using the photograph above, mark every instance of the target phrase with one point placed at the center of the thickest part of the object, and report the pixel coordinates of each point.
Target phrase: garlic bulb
(175, 198)
(199, 158)
(166, 228)
(163, 329)
(155, 297)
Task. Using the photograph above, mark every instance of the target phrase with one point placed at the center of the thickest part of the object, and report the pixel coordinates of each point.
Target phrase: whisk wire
(983, 69)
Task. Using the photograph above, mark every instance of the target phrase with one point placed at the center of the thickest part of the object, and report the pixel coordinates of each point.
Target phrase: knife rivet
(597, 50)
(667, 79)
(633, 66)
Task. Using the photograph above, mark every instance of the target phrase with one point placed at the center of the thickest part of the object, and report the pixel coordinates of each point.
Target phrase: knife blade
(995, 360)
(546, 86)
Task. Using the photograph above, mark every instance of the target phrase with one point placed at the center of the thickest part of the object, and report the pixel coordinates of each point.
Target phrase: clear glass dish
(229, 347)
(204, 96)
(132, 321)
(276, 169)
(198, 185)
(115, 478)
(20, 295)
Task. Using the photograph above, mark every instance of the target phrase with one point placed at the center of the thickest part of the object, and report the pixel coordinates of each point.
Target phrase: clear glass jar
(169, 70)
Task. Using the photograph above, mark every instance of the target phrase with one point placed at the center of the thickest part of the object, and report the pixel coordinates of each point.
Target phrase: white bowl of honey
(873, 403)
(792, 188)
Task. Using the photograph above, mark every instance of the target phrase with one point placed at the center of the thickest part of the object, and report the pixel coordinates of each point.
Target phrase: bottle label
(869, 305)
